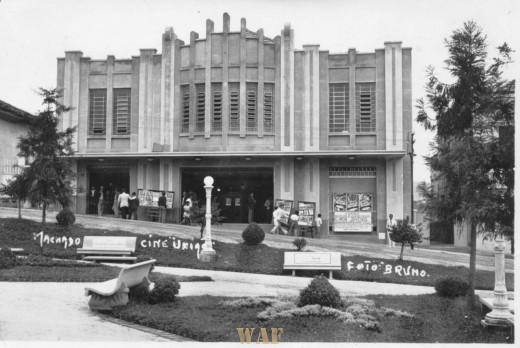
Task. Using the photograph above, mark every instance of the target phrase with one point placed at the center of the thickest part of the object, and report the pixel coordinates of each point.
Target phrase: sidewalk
(228, 235)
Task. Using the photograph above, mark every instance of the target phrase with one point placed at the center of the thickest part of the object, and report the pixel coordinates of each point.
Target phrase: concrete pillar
(110, 103)
(243, 62)
(208, 92)
(311, 110)
(167, 88)
(71, 83)
(287, 89)
(394, 95)
(394, 188)
(500, 313)
(145, 97)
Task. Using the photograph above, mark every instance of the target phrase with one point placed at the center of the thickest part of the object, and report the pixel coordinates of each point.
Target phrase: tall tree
(466, 160)
(49, 173)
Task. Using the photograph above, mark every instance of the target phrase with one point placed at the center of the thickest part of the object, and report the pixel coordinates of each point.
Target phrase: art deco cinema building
(256, 114)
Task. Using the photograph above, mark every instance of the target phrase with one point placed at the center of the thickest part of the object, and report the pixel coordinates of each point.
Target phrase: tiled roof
(13, 114)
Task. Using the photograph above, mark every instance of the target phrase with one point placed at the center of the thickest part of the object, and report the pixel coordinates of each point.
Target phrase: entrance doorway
(111, 177)
(232, 187)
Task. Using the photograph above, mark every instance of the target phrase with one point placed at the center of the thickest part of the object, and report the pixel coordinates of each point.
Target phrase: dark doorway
(111, 177)
(232, 187)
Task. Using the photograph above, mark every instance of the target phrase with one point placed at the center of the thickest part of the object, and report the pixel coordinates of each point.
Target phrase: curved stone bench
(114, 292)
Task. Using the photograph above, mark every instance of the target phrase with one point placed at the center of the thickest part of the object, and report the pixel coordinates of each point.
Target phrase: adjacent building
(256, 114)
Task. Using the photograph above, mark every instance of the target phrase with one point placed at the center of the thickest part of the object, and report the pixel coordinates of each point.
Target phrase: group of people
(123, 204)
(293, 229)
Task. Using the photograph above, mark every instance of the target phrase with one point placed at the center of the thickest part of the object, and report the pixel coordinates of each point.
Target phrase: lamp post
(500, 313)
(208, 254)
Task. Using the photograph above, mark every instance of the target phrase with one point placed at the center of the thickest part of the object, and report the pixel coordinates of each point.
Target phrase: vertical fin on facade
(226, 21)
(210, 26)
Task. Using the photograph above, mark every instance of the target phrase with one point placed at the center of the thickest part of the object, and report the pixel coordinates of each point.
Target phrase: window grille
(121, 114)
(251, 119)
(201, 107)
(339, 108)
(234, 107)
(365, 107)
(352, 172)
(185, 92)
(216, 112)
(98, 111)
(268, 108)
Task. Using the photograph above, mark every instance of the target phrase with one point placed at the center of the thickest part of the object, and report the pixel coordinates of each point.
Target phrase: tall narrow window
(338, 108)
(251, 113)
(268, 108)
(185, 94)
(121, 114)
(98, 111)
(365, 107)
(234, 107)
(201, 108)
(216, 107)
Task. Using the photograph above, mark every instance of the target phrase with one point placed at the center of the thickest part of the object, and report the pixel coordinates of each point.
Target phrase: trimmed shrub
(320, 292)
(140, 293)
(451, 287)
(253, 234)
(65, 217)
(142, 258)
(7, 258)
(300, 243)
(38, 260)
(164, 291)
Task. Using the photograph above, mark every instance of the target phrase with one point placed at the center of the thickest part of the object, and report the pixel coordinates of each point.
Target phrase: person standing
(101, 201)
(277, 216)
(133, 205)
(162, 207)
(92, 200)
(267, 205)
(186, 211)
(293, 223)
(123, 203)
(317, 225)
(115, 206)
(390, 223)
(251, 204)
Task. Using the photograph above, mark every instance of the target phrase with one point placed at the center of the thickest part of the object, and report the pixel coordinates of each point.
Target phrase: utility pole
(412, 154)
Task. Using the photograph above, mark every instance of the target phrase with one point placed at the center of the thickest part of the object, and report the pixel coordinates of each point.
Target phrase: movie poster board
(287, 207)
(307, 213)
(352, 212)
(150, 198)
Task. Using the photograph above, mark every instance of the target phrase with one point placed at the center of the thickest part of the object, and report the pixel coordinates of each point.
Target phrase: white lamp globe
(208, 181)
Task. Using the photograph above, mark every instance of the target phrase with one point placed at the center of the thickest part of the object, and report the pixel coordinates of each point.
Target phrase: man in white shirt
(390, 223)
(277, 215)
(122, 201)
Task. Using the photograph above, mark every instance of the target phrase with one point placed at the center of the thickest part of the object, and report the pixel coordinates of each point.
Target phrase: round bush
(164, 290)
(65, 217)
(300, 243)
(253, 234)
(451, 287)
(7, 258)
(320, 292)
(140, 293)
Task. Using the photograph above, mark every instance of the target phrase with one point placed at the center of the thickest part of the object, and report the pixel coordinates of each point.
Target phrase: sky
(34, 33)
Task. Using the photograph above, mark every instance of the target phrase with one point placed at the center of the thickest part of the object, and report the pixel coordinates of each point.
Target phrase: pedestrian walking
(293, 223)
(251, 204)
(123, 204)
(162, 207)
(101, 201)
(133, 205)
(277, 216)
(390, 223)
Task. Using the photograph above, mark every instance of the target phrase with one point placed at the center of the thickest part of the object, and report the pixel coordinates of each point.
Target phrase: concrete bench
(312, 261)
(486, 305)
(108, 248)
(114, 292)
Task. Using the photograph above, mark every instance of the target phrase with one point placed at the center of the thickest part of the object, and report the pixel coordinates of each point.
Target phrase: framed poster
(352, 221)
(352, 202)
(150, 198)
(339, 201)
(306, 212)
(287, 207)
(352, 212)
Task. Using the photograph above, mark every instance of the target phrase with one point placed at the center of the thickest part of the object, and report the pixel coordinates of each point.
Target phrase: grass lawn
(203, 318)
(262, 259)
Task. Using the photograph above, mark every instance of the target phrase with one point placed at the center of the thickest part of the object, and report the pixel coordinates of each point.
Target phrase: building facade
(14, 123)
(256, 114)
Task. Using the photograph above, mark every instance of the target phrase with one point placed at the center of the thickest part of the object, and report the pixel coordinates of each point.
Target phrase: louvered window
(98, 111)
(338, 108)
(201, 107)
(268, 108)
(234, 107)
(121, 114)
(365, 107)
(251, 115)
(216, 108)
(185, 93)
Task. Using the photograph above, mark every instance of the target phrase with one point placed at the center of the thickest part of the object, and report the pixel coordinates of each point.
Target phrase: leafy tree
(198, 216)
(17, 188)
(49, 174)
(466, 157)
(404, 233)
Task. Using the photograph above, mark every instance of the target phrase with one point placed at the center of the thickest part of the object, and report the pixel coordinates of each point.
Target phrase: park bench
(486, 305)
(108, 248)
(114, 292)
(328, 261)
